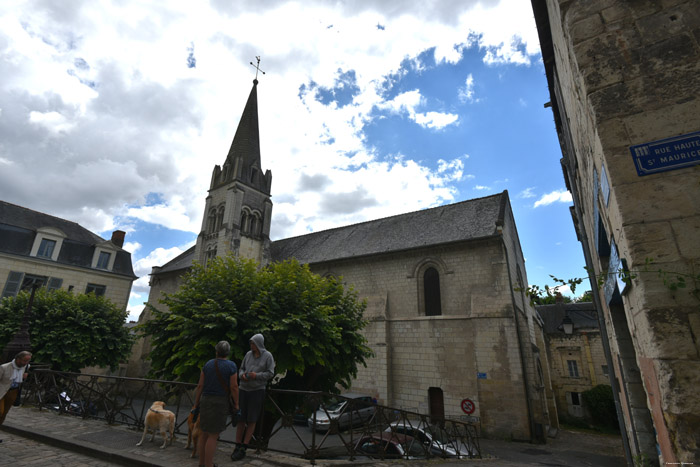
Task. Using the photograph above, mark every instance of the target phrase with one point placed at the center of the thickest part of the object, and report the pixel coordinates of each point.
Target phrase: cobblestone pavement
(16, 450)
(42, 438)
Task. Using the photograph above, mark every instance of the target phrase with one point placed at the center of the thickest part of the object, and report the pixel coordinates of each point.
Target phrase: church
(453, 333)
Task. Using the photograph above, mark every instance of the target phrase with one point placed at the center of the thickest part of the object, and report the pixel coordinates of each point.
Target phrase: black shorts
(251, 403)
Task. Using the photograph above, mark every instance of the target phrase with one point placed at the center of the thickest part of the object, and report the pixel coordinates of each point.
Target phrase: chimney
(118, 237)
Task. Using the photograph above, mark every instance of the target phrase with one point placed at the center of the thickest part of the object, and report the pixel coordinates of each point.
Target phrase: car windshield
(335, 406)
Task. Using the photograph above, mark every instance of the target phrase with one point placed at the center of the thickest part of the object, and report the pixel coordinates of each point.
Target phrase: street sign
(468, 407)
(667, 154)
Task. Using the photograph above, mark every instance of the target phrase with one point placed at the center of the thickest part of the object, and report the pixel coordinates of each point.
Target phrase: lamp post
(567, 325)
(21, 341)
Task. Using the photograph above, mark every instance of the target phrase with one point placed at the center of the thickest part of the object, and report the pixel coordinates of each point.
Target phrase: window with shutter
(14, 279)
(54, 283)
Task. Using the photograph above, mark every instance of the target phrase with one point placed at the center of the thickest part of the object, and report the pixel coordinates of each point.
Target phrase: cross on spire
(257, 68)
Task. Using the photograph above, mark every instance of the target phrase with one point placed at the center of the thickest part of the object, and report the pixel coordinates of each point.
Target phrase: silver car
(348, 410)
(434, 437)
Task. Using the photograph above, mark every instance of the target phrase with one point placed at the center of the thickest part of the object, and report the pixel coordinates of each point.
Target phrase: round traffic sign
(468, 406)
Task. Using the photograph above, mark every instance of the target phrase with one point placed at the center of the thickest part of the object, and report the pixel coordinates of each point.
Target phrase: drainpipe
(523, 365)
(601, 319)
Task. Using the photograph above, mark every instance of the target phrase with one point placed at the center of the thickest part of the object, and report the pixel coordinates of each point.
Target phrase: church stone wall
(139, 363)
(474, 335)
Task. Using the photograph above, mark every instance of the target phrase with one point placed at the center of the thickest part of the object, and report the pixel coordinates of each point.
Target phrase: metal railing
(334, 426)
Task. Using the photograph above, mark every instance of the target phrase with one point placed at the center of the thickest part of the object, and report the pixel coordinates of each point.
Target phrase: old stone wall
(474, 335)
(586, 349)
(628, 73)
(139, 364)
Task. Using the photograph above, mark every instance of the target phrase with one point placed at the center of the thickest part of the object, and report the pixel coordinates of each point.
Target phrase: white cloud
(53, 121)
(466, 93)
(104, 91)
(527, 193)
(558, 196)
(173, 215)
(481, 187)
(408, 102)
(132, 247)
(435, 120)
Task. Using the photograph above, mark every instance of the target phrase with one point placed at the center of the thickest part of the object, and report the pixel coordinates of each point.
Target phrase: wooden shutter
(12, 285)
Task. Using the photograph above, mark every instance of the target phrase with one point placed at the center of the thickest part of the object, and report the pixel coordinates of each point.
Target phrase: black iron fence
(311, 425)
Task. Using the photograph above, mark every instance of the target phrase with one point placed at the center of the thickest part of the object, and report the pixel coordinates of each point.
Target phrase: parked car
(391, 446)
(350, 409)
(434, 437)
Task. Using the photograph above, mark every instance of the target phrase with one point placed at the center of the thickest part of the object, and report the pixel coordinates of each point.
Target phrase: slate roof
(582, 314)
(181, 261)
(19, 225)
(18, 216)
(467, 220)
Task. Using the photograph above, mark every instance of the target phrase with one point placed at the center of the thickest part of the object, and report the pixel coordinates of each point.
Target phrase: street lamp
(567, 325)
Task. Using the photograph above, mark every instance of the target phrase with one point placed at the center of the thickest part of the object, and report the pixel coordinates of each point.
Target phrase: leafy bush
(311, 324)
(69, 331)
(601, 405)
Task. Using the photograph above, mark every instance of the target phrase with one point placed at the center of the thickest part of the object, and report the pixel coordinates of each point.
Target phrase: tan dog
(193, 432)
(159, 419)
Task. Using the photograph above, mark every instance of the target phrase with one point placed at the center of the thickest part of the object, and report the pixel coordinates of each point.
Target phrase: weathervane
(257, 68)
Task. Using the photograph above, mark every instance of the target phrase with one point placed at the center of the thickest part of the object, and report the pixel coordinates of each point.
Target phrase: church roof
(181, 261)
(467, 220)
(246, 141)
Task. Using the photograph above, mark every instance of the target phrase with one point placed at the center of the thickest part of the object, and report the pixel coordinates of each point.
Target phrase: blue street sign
(481, 375)
(667, 154)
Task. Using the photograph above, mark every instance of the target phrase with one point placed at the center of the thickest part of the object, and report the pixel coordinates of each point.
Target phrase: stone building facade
(446, 324)
(576, 358)
(624, 81)
(451, 336)
(36, 248)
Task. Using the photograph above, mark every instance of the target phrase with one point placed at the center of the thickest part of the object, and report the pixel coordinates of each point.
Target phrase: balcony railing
(310, 425)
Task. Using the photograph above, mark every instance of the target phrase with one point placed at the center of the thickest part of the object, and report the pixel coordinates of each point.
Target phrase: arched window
(211, 254)
(431, 292)
(211, 221)
(253, 225)
(220, 218)
(259, 228)
(244, 222)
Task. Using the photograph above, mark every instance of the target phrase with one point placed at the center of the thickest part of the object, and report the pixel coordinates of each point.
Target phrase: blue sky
(367, 109)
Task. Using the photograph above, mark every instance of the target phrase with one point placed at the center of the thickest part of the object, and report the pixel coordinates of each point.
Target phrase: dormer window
(46, 248)
(103, 260)
(104, 256)
(47, 243)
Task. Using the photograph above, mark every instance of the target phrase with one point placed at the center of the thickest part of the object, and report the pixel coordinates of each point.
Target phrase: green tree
(587, 296)
(601, 404)
(69, 331)
(311, 323)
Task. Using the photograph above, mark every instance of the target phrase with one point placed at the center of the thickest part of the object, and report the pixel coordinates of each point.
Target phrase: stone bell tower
(238, 208)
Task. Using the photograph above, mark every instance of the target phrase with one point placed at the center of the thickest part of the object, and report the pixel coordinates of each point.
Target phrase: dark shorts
(213, 411)
(251, 403)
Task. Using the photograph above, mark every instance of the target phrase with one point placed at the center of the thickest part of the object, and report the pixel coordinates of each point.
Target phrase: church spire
(246, 142)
